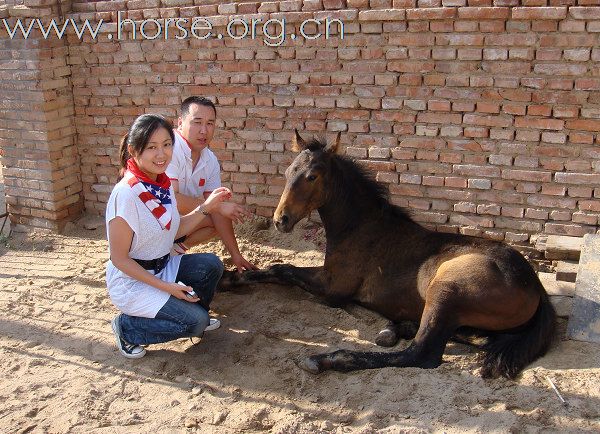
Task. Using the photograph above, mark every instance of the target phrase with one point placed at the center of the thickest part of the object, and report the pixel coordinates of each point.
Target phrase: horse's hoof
(228, 280)
(310, 365)
(386, 338)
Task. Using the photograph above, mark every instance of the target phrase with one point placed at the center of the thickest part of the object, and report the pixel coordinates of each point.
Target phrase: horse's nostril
(284, 219)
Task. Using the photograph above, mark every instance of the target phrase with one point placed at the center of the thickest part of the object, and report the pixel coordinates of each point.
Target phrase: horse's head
(306, 181)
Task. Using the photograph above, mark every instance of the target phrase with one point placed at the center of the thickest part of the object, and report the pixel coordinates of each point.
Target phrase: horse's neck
(345, 213)
(342, 217)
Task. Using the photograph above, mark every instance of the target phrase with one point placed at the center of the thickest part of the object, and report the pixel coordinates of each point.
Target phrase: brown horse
(450, 285)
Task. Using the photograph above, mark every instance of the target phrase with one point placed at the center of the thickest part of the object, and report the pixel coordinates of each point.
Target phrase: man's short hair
(200, 100)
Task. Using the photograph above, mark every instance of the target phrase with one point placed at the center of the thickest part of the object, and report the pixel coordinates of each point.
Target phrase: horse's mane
(356, 180)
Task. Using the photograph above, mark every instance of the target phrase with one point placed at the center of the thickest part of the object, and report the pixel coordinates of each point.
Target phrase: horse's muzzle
(282, 223)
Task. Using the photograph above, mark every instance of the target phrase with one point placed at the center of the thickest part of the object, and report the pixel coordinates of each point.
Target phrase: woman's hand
(180, 292)
(216, 197)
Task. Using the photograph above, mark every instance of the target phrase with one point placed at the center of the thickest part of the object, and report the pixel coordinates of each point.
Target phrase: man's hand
(242, 264)
(234, 212)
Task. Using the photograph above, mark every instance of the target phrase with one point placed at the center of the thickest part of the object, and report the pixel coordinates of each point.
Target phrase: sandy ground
(62, 372)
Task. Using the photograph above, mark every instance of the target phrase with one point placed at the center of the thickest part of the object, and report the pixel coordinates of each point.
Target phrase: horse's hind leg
(394, 331)
(436, 326)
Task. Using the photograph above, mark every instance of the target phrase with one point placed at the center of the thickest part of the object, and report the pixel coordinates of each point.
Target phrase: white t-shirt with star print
(149, 241)
(193, 181)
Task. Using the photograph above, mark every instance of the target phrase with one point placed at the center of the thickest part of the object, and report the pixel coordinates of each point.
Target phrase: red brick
(408, 40)
(514, 109)
(560, 69)
(476, 132)
(539, 110)
(538, 214)
(334, 4)
(527, 40)
(316, 5)
(466, 207)
(430, 13)
(527, 175)
(585, 13)
(570, 25)
(510, 211)
(492, 26)
(588, 219)
(565, 112)
(468, 220)
(587, 84)
(589, 205)
(539, 13)
(569, 40)
(582, 138)
(545, 124)
(439, 105)
(560, 84)
(483, 13)
(592, 125)
(438, 118)
(418, 142)
(406, 190)
(577, 178)
(382, 15)
(472, 170)
(492, 121)
(585, 192)
(516, 94)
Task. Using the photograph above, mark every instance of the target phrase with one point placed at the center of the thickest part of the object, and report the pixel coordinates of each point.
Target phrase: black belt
(154, 264)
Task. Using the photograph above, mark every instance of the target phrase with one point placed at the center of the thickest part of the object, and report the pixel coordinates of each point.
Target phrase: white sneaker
(213, 325)
(128, 350)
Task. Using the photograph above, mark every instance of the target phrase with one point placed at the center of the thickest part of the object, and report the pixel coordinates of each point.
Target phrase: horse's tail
(507, 354)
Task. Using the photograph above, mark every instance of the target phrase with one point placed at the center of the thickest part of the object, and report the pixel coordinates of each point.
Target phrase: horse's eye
(311, 178)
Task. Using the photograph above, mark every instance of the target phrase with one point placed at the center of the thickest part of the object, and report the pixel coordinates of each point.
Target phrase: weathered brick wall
(482, 116)
(37, 132)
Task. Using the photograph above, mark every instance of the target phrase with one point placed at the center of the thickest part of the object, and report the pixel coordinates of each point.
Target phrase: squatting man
(195, 173)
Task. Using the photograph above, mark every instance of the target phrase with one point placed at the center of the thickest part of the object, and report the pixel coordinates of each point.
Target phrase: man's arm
(185, 203)
(224, 227)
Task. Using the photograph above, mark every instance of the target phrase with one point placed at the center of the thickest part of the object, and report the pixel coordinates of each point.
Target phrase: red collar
(184, 139)
(162, 180)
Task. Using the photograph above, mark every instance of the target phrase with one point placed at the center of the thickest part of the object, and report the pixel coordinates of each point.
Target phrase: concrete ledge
(584, 324)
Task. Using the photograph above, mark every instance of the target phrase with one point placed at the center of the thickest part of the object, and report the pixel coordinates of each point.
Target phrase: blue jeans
(179, 318)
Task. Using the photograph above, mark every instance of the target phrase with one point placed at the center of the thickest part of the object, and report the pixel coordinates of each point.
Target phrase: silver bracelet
(202, 210)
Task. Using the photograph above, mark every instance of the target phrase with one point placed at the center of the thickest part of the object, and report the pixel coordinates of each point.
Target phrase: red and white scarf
(155, 194)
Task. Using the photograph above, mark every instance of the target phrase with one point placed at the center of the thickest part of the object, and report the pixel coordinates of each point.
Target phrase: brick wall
(482, 116)
(39, 154)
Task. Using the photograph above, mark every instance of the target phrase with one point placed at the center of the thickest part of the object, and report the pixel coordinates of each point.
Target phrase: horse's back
(493, 284)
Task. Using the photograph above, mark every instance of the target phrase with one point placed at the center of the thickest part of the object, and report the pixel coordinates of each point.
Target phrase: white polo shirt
(205, 177)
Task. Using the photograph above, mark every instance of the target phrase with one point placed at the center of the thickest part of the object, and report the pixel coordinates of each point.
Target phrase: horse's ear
(334, 146)
(298, 143)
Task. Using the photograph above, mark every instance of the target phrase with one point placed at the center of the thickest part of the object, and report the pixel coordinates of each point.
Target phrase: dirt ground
(62, 372)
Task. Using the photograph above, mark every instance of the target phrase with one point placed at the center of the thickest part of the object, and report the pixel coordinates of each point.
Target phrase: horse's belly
(394, 304)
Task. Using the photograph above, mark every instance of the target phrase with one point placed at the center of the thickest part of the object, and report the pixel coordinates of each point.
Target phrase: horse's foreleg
(394, 331)
(311, 279)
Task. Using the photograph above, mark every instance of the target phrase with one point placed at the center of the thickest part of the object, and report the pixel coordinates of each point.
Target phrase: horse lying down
(431, 286)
